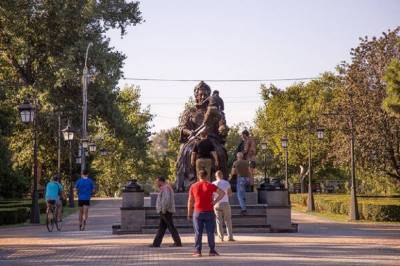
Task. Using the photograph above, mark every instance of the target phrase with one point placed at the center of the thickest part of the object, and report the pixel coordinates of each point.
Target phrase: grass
(371, 200)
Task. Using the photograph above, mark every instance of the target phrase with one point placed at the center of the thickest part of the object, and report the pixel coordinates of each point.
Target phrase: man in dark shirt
(202, 153)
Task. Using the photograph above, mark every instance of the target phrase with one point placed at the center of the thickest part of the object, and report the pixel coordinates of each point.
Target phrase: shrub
(14, 215)
(370, 208)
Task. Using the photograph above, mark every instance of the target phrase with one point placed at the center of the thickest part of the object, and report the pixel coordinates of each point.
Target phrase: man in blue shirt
(53, 192)
(85, 188)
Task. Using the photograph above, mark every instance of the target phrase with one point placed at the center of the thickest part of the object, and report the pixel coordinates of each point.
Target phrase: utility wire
(218, 80)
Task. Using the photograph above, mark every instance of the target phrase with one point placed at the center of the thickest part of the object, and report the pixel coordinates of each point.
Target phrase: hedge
(14, 215)
(371, 209)
(26, 204)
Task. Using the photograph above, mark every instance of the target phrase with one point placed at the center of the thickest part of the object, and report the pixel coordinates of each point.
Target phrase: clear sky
(237, 39)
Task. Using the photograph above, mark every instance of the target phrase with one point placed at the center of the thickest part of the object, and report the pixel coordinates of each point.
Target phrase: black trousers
(166, 222)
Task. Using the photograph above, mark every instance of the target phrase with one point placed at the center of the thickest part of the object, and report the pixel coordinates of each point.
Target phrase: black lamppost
(103, 152)
(354, 213)
(284, 142)
(264, 150)
(28, 114)
(92, 147)
(310, 198)
(68, 134)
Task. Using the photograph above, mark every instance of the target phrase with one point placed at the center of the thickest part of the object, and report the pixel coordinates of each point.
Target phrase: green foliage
(43, 45)
(370, 208)
(392, 79)
(127, 148)
(13, 215)
(295, 113)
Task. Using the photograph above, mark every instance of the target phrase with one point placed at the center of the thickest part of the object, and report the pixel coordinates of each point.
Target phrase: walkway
(320, 242)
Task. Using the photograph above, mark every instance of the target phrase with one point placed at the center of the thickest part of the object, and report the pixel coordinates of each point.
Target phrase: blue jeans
(201, 219)
(241, 191)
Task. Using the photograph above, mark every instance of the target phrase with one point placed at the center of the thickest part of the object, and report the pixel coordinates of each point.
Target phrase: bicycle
(52, 217)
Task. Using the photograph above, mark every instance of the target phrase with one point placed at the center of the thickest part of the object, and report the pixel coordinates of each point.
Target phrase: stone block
(279, 218)
(273, 197)
(132, 220)
(132, 199)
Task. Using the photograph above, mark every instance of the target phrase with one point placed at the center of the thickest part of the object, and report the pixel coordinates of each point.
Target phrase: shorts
(51, 202)
(82, 203)
(252, 164)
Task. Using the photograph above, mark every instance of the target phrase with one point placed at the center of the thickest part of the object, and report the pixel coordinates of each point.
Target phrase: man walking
(85, 188)
(242, 170)
(201, 197)
(165, 206)
(202, 153)
(223, 209)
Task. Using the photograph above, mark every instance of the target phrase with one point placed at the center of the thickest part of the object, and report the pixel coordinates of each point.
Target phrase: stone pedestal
(181, 199)
(279, 219)
(273, 197)
(132, 219)
(133, 215)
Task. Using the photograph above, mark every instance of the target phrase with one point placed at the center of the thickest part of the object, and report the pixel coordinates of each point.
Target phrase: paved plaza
(319, 242)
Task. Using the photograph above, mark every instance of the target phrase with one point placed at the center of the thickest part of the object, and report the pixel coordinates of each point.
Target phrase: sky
(237, 39)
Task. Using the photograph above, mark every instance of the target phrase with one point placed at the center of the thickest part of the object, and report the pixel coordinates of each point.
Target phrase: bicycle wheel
(58, 222)
(50, 220)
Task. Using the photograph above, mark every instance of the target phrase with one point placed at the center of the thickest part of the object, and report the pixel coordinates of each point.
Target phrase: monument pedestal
(133, 214)
(181, 199)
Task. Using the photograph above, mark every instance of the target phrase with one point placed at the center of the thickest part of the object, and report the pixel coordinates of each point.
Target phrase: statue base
(181, 199)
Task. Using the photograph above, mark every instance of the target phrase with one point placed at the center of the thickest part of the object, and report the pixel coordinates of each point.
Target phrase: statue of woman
(205, 115)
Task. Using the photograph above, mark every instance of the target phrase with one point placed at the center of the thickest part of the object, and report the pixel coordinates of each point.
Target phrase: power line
(218, 80)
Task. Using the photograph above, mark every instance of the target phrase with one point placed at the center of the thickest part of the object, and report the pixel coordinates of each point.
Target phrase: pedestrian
(54, 195)
(201, 198)
(85, 188)
(223, 209)
(165, 206)
(202, 153)
(249, 152)
(241, 169)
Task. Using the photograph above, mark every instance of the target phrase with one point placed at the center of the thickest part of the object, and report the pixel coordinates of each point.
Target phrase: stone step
(251, 210)
(247, 228)
(236, 220)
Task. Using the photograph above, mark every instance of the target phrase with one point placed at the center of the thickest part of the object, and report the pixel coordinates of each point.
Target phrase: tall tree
(42, 53)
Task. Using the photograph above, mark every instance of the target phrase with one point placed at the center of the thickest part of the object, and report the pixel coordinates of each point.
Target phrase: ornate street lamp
(92, 147)
(69, 134)
(103, 152)
(28, 115)
(284, 142)
(320, 133)
(85, 143)
(78, 160)
(265, 184)
(310, 198)
(27, 112)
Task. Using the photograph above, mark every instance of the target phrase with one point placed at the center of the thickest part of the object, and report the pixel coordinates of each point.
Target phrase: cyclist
(54, 192)
(85, 188)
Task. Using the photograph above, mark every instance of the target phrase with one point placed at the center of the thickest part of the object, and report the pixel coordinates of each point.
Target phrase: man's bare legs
(83, 215)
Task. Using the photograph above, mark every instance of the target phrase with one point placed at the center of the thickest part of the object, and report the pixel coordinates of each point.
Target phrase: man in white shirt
(223, 209)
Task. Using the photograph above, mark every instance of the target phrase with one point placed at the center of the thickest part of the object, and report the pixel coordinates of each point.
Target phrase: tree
(42, 49)
(392, 79)
(295, 113)
(364, 90)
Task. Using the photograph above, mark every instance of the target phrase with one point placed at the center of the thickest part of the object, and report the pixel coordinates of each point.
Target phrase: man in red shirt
(201, 196)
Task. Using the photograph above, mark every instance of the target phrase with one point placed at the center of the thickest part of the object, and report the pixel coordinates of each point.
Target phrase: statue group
(206, 115)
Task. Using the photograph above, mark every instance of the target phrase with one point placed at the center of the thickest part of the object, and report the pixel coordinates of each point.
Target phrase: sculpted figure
(206, 115)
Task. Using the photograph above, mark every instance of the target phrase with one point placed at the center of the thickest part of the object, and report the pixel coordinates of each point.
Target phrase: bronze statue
(205, 115)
